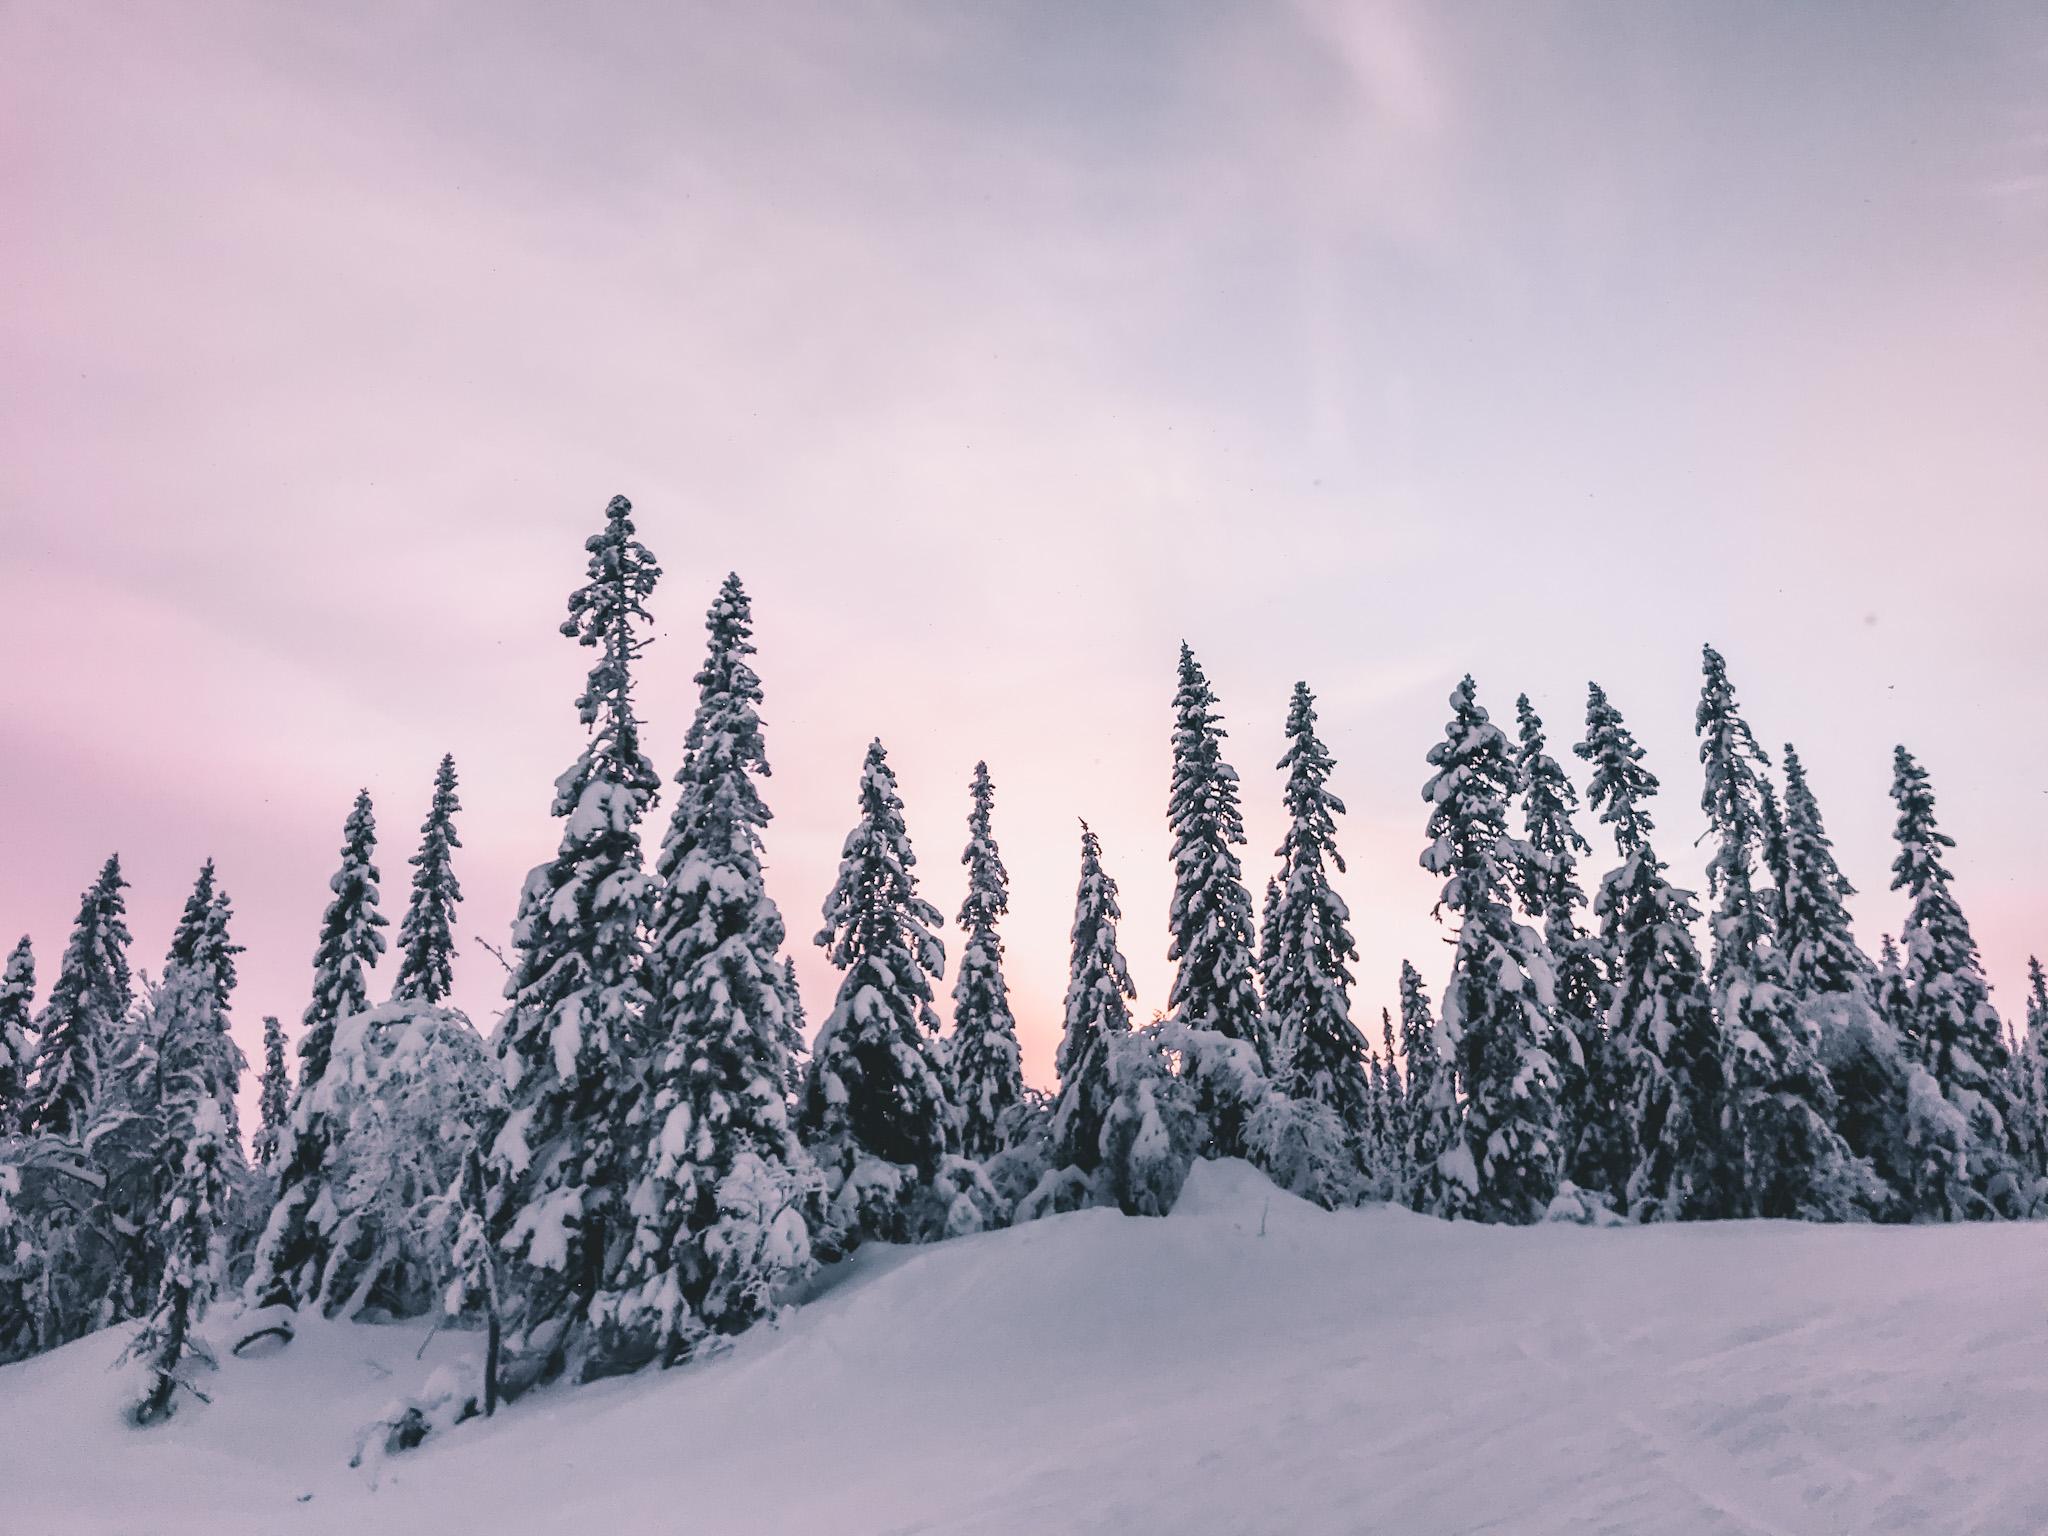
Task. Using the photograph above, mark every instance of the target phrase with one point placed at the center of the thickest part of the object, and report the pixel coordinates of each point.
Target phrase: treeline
(652, 1146)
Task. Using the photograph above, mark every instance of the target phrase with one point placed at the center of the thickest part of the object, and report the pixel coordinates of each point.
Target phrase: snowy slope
(1248, 1365)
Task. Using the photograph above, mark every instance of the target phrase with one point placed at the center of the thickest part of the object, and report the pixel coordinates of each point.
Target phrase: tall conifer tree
(17, 1004)
(1323, 1056)
(1439, 1184)
(1589, 1113)
(988, 1072)
(1400, 1172)
(1497, 1010)
(706, 1255)
(292, 1254)
(87, 1007)
(201, 938)
(274, 1097)
(1216, 986)
(426, 938)
(1784, 1157)
(1665, 1046)
(1099, 994)
(2033, 1058)
(200, 1152)
(1814, 931)
(571, 1043)
(875, 1087)
(1948, 1021)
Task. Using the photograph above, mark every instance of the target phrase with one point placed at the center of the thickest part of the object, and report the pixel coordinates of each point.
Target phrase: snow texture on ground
(1250, 1364)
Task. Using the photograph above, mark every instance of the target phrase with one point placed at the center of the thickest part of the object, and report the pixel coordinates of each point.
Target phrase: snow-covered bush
(1301, 1145)
(1027, 1150)
(406, 1086)
(1153, 1130)
(1868, 1068)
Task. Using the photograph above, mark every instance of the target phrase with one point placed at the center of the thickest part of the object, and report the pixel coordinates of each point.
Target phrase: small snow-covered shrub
(1868, 1069)
(407, 1086)
(1150, 1137)
(1582, 1207)
(1301, 1146)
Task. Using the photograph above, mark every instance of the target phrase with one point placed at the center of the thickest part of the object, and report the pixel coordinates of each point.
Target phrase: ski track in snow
(1365, 1372)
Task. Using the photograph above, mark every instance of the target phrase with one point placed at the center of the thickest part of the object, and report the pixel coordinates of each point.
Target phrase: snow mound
(1232, 1189)
(1364, 1371)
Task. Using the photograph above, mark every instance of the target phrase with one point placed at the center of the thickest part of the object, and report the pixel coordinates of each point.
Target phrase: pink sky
(1000, 348)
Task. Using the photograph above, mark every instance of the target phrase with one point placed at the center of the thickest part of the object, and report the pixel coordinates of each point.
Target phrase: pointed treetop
(1468, 794)
(1548, 803)
(874, 908)
(201, 939)
(426, 937)
(988, 883)
(1732, 795)
(988, 1074)
(1814, 926)
(1621, 785)
(601, 615)
(17, 1003)
(87, 1003)
(350, 941)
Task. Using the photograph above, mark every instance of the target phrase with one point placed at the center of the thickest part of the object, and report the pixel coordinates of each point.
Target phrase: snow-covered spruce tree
(1379, 1125)
(274, 1098)
(1590, 1110)
(1215, 990)
(1099, 993)
(570, 1043)
(198, 1150)
(17, 1004)
(1323, 1055)
(426, 938)
(875, 1111)
(718, 1199)
(1440, 1174)
(988, 1071)
(1814, 931)
(87, 1006)
(181, 1068)
(201, 938)
(1781, 1153)
(1664, 1045)
(1399, 1174)
(1834, 984)
(292, 1253)
(2033, 1070)
(1269, 945)
(1498, 1005)
(1964, 1165)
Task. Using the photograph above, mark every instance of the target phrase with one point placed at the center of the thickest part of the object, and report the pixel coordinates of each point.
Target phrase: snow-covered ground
(1248, 1365)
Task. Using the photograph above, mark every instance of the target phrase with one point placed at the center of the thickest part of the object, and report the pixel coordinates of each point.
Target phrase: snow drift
(1250, 1364)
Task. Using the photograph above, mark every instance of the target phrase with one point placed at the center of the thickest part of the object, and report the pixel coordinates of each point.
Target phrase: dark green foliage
(1216, 985)
(88, 1005)
(1323, 1055)
(1946, 1016)
(987, 1066)
(875, 1087)
(1099, 991)
(1664, 1048)
(1497, 1010)
(572, 1041)
(724, 1026)
(1781, 1153)
(426, 938)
